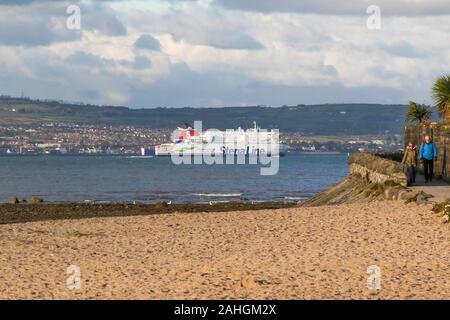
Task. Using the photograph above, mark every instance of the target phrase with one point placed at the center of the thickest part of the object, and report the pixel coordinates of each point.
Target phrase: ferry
(239, 142)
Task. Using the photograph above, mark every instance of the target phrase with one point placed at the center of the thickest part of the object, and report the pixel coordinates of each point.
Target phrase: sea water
(149, 180)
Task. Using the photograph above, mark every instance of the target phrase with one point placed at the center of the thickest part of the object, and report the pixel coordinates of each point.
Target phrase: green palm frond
(441, 96)
(418, 112)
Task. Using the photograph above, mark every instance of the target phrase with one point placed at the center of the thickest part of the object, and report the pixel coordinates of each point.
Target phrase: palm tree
(441, 96)
(418, 112)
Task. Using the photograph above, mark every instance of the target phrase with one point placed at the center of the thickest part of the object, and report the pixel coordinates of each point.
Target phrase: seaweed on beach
(440, 207)
(19, 213)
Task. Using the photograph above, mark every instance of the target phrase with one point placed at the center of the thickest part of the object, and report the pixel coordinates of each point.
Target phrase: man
(410, 159)
(428, 153)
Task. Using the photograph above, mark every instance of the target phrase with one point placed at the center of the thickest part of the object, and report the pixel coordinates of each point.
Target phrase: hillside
(329, 119)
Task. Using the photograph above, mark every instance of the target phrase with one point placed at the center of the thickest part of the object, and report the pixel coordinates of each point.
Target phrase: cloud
(141, 62)
(22, 27)
(332, 7)
(87, 59)
(217, 39)
(405, 49)
(101, 18)
(15, 2)
(30, 23)
(147, 41)
(214, 56)
(198, 25)
(202, 89)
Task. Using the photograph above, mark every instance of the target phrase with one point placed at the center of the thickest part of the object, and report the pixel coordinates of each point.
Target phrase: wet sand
(17, 213)
(291, 253)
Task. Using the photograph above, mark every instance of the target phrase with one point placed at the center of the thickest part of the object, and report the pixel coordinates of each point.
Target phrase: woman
(410, 160)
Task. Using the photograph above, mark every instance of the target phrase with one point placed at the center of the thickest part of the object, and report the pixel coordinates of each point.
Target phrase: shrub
(391, 183)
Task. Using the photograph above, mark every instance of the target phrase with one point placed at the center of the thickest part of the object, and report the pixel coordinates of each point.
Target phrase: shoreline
(353, 188)
(138, 155)
(20, 213)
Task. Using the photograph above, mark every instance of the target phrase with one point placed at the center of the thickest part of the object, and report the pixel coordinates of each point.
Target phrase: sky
(213, 53)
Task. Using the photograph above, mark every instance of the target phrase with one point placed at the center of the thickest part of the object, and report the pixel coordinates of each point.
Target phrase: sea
(57, 178)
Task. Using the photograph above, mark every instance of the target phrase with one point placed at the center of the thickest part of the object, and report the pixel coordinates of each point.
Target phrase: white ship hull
(191, 149)
(251, 142)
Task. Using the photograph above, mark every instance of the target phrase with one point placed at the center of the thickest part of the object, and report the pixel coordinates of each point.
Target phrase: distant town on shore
(30, 127)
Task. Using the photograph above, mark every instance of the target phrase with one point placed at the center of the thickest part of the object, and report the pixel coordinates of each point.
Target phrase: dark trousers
(428, 169)
(411, 174)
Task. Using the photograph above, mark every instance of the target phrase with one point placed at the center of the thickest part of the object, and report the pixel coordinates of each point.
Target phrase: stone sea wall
(373, 176)
(377, 168)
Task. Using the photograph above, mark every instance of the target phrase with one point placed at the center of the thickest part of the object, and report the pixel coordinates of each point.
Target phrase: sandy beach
(290, 253)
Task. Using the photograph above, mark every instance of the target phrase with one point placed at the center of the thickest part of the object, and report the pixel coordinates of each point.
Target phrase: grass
(412, 199)
(392, 183)
(378, 189)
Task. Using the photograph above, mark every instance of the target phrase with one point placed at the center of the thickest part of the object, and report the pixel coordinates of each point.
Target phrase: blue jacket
(428, 151)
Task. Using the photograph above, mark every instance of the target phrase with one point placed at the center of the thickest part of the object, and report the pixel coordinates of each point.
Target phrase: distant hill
(327, 119)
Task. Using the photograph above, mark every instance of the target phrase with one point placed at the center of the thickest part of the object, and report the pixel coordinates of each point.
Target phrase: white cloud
(347, 7)
(214, 56)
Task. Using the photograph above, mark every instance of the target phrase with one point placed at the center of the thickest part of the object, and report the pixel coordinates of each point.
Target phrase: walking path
(438, 188)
